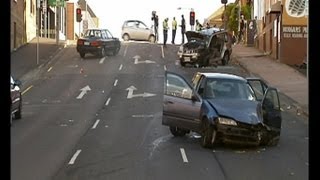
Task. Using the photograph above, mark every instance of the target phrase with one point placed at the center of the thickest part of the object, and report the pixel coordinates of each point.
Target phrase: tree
(232, 15)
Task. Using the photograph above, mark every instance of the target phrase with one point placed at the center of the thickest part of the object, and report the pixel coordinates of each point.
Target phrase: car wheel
(102, 52)
(152, 39)
(115, 52)
(177, 131)
(182, 63)
(225, 59)
(208, 136)
(82, 54)
(126, 37)
(17, 114)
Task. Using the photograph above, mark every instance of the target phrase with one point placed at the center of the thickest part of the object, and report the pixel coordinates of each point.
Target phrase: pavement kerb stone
(299, 109)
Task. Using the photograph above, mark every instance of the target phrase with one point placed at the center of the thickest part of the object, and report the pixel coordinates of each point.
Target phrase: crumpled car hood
(195, 35)
(240, 110)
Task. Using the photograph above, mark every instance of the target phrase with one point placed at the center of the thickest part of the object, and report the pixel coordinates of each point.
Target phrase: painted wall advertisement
(295, 31)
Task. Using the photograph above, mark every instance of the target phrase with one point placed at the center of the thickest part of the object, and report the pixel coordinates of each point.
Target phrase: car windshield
(228, 88)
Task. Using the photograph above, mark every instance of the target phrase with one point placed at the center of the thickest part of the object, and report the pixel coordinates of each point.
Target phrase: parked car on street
(137, 30)
(99, 42)
(205, 47)
(16, 99)
(223, 108)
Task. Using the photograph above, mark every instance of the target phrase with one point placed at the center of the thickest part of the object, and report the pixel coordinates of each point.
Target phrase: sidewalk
(288, 80)
(24, 59)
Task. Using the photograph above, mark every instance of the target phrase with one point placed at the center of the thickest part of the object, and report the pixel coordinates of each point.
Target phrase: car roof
(222, 75)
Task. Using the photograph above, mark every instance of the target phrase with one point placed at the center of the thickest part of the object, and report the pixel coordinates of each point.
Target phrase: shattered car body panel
(206, 47)
(224, 109)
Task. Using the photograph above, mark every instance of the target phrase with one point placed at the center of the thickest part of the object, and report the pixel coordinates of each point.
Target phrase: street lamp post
(224, 14)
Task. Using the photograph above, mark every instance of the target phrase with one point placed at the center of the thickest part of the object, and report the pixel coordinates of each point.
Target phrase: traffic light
(192, 17)
(79, 15)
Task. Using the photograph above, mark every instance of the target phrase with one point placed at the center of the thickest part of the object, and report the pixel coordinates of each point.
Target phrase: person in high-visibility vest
(165, 31)
(174, 29)
(198, 26)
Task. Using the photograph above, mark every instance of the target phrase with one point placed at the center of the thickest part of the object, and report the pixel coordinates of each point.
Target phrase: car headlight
(227, 121)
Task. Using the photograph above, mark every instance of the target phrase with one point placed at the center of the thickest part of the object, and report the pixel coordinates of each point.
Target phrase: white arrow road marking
(120, 67)
(83, 91)
(162, 52)
(136, 60)
(102, 59)
(184, 156)
(74, 157)
(165, 67)
(131, 95)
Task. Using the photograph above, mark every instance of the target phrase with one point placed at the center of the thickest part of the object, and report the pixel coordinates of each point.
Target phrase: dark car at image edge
(15, 99)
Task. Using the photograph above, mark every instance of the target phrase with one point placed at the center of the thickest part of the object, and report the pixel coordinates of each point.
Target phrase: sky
(113, 13)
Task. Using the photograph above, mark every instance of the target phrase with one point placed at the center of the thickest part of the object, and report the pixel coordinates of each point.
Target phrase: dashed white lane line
(49, 69)
(102, 59)
(162, 52)
(27, 90)
(165, 67)
(115, 82)
(74, 157)
(95, 124)
(184, 156)
(120, 67)
(107, 103)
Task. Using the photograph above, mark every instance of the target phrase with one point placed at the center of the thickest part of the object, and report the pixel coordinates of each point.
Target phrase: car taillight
(95, 43)
(80, 42)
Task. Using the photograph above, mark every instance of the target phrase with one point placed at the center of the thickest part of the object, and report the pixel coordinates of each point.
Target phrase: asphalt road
(100, 118)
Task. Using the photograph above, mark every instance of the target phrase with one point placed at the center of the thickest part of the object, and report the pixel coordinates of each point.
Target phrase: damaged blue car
(222, 108)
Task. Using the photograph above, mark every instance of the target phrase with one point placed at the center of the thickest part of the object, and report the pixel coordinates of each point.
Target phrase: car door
(143, 31)
(181, 105)
(258, 86)
(271, 110)
(109, 40)
(15, 94)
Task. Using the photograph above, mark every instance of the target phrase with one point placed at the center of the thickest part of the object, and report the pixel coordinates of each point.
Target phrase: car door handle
(168, 102)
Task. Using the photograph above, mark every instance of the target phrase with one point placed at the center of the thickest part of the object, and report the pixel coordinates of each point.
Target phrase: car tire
(225, 59)
(82, 54)
(126, 37)
(17, 114)
(115, 52)
(208, 136)
(102, 53)
(175, 131)
(152, 39)
(182, 63)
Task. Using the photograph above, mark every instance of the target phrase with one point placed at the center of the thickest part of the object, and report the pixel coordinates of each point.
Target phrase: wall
(31, 25)
(70, 20)
(294, 32)
(17, 23)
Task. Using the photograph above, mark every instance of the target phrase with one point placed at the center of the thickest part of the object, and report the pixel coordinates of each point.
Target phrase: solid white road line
(107, 103)
(95, 124)
(102, 59)
(120, 67)
(162, 52)
(184, 156)
(27, 90)
(165, 67)
(74, 157)
(115, 82)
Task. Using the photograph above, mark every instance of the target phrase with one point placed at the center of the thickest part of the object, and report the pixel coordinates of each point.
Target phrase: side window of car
(104, 35)
(201, 87)
(271, 100)
(109, 35)
(176, 86)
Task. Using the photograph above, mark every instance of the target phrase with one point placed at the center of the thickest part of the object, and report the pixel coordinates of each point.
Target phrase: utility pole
(57, 24)
(38, 29)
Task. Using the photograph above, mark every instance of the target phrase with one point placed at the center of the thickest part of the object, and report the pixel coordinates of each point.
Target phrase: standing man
(165, 31)
(155, 20)
(183, 27)
(174, 29)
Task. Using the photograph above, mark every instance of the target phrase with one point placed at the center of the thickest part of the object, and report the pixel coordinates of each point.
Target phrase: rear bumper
(88, 49)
